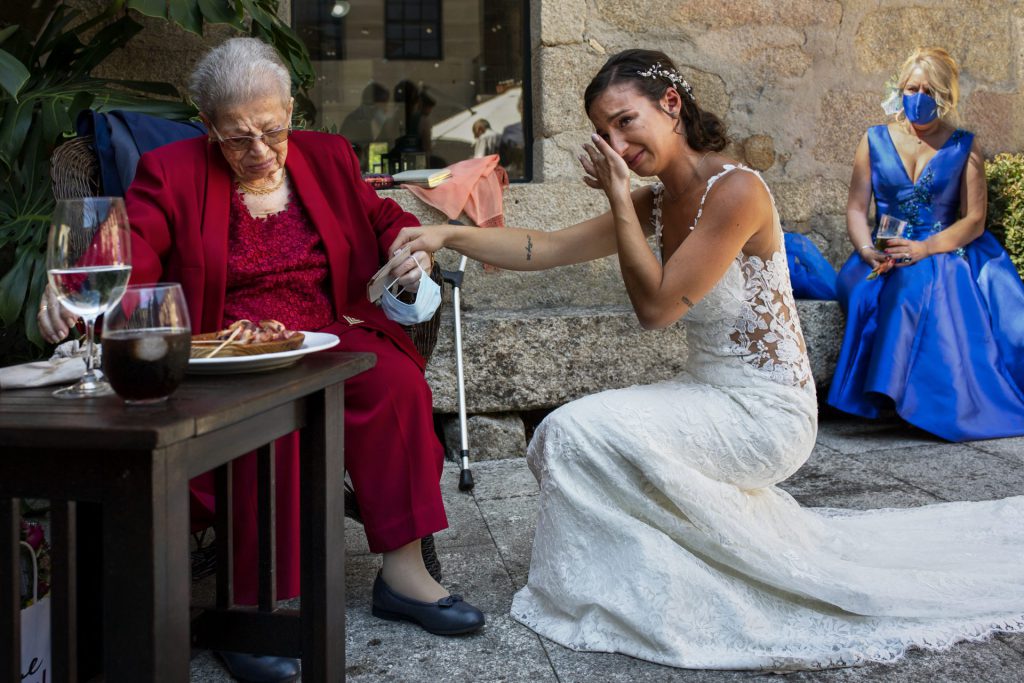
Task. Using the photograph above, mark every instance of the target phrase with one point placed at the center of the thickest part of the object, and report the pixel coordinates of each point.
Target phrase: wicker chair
(75, 172)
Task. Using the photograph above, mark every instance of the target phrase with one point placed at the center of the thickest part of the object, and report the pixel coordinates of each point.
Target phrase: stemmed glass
(88, 262)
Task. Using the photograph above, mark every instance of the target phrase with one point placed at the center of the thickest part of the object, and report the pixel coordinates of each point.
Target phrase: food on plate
(246, 338)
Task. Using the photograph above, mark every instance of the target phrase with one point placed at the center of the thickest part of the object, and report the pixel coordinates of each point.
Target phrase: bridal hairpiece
(673, 77)
(893, 102)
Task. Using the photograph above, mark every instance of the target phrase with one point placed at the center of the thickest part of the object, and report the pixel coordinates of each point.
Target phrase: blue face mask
(428, 298)
(920, 108)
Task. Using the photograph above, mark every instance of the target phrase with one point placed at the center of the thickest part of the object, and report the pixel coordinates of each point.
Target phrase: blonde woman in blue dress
(661, 532)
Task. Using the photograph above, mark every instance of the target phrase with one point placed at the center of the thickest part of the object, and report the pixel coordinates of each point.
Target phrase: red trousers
(392, 456)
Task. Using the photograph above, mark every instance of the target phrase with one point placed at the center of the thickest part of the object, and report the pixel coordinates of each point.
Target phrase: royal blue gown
(942, 340)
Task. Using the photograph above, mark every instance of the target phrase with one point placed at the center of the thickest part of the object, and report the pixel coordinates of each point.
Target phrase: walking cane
(454, 277)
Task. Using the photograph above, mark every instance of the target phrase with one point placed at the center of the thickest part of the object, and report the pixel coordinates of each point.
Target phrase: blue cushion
(121, 137)
(813, 277)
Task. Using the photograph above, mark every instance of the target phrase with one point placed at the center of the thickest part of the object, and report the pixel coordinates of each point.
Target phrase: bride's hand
(606, 170)
(428, 238)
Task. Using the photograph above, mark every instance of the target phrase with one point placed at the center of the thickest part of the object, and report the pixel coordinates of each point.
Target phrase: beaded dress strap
(713, 179)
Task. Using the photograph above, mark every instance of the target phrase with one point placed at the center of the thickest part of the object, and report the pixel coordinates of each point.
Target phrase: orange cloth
(475, 187)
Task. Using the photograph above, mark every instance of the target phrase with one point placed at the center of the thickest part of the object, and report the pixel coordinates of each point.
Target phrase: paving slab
(508, 478)
(378, 650)
(989, 661)
(615, 668)
(1011, 448)
(833, 479)
(950, 471)
(850, 435)
(486, 554)
(512, 522)
(1014, 640)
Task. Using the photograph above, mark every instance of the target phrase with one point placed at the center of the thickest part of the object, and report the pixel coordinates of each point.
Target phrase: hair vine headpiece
(673, 77)
(893, 102)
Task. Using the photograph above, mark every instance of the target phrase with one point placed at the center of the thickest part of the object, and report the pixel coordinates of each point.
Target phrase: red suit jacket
(179, 204)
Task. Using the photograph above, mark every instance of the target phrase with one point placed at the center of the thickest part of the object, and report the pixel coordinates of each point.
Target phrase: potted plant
(1005, 219)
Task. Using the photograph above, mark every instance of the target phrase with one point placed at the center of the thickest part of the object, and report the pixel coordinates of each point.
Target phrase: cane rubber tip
(465, 480)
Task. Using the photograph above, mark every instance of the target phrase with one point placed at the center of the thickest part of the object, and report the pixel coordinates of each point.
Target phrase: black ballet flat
(259, 669)
(448, 616)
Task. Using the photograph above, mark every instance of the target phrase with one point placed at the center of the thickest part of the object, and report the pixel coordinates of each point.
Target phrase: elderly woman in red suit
(258, 222)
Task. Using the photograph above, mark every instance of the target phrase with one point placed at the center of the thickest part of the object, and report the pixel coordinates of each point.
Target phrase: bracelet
(864, 246)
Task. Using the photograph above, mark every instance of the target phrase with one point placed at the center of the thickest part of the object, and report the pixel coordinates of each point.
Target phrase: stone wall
(797, 81)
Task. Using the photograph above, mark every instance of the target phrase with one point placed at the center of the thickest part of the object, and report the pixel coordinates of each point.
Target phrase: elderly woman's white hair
(238, 71)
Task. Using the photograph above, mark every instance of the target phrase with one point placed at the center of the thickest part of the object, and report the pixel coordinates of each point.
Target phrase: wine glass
(146, 342)
(88, 257)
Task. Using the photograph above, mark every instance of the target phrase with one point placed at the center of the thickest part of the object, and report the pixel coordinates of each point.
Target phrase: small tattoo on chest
(529, 247)
(687, 302)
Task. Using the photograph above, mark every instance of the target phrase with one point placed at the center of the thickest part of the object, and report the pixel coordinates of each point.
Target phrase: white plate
(314, 341)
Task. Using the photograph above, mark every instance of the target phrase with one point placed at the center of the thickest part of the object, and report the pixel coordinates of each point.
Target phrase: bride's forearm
(641, 271)
(508, 248)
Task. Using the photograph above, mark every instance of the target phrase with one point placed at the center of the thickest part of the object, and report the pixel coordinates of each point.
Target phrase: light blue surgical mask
(920, 108)
(428, 298)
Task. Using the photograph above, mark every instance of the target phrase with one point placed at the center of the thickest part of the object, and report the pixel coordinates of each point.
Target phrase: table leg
(64, 591)
(323, 538)
(146, 581)
(10, 590)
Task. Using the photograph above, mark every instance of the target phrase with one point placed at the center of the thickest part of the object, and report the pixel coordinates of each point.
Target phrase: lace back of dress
(767, 334)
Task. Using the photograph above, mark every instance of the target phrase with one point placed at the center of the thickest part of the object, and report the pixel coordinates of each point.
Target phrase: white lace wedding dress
(661, 533)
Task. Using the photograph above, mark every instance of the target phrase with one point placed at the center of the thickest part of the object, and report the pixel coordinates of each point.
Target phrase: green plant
(1005, 219)
(46, 81)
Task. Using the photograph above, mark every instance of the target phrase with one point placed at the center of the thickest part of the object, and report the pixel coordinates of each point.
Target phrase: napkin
(66, 365)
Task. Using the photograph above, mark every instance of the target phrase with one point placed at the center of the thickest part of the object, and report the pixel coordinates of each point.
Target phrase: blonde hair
(943, 74)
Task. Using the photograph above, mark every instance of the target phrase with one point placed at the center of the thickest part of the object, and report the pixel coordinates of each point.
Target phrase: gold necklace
(249, 189)
(673, 196)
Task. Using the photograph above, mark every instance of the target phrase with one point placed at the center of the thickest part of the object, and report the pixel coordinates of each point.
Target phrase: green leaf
(8, 32)
(14, 287)
(220, 12)
(37, 281)
(186, 14)
(260, 16)
(13, 127)
(151, 8)
(107, 40)
(13, 73)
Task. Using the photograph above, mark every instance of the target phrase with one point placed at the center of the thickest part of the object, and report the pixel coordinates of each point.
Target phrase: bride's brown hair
(652, 73)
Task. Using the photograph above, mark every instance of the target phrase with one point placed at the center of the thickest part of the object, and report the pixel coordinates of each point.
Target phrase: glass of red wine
(146, 342)
(88, 262)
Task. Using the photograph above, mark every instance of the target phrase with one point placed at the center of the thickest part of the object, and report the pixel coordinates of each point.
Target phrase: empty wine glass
(88, 262)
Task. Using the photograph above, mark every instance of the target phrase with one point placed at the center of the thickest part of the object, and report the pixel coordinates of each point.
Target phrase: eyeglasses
(240, 143)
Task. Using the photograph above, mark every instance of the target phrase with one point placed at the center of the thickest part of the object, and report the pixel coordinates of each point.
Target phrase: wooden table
(135, 462)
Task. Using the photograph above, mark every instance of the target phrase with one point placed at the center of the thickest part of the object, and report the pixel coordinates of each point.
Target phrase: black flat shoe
(259, 669)
(448, 616)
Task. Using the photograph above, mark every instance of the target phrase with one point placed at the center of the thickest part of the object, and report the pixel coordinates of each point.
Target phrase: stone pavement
(486, 552)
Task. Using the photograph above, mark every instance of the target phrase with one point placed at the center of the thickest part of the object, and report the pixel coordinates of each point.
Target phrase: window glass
(421, 83)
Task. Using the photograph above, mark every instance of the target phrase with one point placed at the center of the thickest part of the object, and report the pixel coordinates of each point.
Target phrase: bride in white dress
(661, 533)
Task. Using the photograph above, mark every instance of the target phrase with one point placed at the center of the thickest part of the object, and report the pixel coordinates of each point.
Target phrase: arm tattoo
(529, 248)
(689, 304)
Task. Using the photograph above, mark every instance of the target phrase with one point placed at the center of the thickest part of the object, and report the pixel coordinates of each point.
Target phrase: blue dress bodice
(933, 202)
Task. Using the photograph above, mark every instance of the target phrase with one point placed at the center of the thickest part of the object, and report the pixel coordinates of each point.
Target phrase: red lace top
(277, 269)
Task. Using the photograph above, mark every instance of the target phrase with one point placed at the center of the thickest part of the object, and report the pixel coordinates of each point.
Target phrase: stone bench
(532, 341)
(536, 360)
